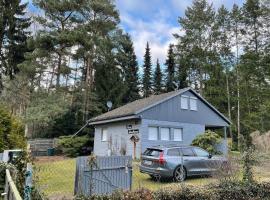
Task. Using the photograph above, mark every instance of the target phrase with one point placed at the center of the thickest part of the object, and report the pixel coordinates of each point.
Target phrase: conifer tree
(193, 46)
(13, 36)
(157, 82)
(170, 70)
(147, 73)
(127, 60)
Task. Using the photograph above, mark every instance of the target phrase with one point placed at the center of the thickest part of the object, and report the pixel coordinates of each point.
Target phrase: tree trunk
(58, 71)
(229, 102)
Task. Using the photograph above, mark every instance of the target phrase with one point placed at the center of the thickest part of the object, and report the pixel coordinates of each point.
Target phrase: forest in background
(60, 65)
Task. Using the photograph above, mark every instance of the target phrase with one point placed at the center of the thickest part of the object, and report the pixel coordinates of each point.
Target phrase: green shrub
(182, 192)
(228, 190)
(75, 146)
(11, 131)
(207, 141)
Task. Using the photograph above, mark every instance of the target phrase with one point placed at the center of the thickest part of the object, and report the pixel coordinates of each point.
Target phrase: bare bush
(261, 141)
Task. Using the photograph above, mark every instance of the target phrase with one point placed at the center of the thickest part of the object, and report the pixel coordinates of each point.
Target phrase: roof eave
(104, 121)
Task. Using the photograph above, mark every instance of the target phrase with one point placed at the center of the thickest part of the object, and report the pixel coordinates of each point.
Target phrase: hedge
(229, 190)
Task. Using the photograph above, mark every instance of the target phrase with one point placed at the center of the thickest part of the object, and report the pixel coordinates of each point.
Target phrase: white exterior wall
(119, 137)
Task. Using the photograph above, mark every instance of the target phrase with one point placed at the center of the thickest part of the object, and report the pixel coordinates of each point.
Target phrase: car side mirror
(209, 155)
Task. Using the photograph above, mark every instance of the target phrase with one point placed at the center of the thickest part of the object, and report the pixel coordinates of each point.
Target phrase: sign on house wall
(133, 131)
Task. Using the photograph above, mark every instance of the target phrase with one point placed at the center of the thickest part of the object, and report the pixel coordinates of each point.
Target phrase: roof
(130, 110)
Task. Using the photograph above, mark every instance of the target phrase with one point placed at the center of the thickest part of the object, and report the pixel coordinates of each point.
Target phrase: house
(171, 118)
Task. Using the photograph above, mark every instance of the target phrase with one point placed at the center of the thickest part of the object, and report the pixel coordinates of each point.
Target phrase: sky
(154, 21)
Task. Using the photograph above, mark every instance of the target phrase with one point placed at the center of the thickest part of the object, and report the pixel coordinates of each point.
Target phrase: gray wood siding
(119, 135)
(190, 131)
(171, 111)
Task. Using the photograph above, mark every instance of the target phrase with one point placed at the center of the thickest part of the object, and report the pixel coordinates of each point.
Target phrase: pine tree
(127, 60)
(13, 36)
(147, 73)
(109, 82)
(195, 47)
(170, 71)
(56, 39)
(225, 52)
(236, 21)
(158, 82)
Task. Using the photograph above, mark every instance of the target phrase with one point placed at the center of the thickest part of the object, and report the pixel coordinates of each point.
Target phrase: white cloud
(157, 32)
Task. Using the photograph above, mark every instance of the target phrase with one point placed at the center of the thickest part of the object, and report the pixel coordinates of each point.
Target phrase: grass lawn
(56, 176)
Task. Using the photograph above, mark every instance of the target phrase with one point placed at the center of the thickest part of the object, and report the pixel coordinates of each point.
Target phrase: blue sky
(154, 21)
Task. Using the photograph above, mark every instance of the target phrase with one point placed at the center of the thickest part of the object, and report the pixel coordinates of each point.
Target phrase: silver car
(179, 162)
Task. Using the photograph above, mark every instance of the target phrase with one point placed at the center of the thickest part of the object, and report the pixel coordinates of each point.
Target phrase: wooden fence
(11, 192)
(39, 147)
(102, 175)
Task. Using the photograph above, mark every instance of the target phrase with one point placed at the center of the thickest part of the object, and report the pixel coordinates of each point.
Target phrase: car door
(173, 158)
(190, 161)
(204, 161)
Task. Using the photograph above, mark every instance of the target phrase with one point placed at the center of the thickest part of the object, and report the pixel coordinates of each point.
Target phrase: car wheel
(155, 178)
(180, 174)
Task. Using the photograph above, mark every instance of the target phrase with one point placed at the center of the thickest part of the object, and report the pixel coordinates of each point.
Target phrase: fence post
(92, 160)
(28, 182)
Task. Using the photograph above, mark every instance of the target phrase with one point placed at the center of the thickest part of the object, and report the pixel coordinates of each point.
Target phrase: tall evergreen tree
(13, 35)
(158, 82)
(127, 60)
(170, 70)
(56, 38)
(147, 73)
(196, 46)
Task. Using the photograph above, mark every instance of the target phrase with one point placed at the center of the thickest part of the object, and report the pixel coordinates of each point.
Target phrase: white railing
(11, 191)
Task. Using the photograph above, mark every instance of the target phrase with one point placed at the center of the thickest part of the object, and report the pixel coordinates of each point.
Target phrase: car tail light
(161, 159)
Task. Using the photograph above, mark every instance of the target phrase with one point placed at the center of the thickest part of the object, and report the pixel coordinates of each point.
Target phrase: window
(178, 134)
(193, 103)
(152, 152)
(187, 152)
(153, 133)
(201, 153)
(173, 152)
(184, 102)
(165, 134)
(104, 135)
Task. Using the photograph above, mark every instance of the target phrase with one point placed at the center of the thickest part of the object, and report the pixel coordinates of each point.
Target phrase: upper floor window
(184, 102)
(193, 103)
(104, 135)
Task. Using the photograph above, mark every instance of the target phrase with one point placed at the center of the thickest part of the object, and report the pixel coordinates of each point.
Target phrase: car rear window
(187, 152)
(152, 152)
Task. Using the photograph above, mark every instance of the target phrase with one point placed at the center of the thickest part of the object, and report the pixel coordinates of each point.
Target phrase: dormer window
(193, 103)
(184, 102)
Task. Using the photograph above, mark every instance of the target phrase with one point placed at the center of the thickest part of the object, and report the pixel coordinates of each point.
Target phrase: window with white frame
(193, 103)
(153, 133)
(164, 133)
(104, 135)
(178, 134)
(184, 102)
